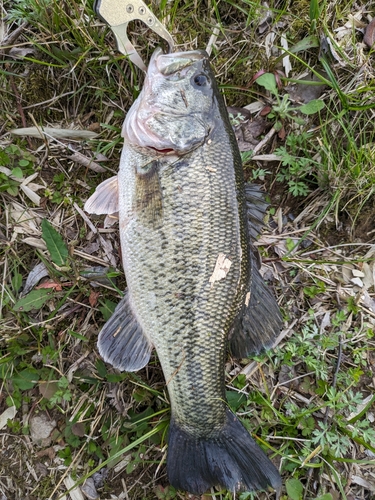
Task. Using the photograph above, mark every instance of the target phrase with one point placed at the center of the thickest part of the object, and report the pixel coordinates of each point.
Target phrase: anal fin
(122, 342)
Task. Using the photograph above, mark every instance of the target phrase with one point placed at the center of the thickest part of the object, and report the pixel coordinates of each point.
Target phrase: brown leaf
(369, 38)
(47, 452)
(78, 429)
(94, 127)
(266, 111)
(48, 389)
(282, 133)
(50, 284)
(93, 299)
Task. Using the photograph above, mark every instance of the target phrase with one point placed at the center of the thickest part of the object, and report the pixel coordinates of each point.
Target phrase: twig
(85, 218)
(334, 381)
(83, 160)
(213, 38)
(339, 358)
(9, 40)
(262, 143)
(19, 107)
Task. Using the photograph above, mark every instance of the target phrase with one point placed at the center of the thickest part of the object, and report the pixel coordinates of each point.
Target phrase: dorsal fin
(259, 322)
(256, 208)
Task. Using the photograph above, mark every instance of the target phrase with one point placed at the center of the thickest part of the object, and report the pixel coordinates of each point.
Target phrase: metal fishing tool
(118, 13)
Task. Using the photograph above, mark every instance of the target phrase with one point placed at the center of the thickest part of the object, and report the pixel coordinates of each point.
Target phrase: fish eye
(201, 80)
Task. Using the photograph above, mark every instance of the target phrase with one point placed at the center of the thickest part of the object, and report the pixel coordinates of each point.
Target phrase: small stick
(339, 358)
(19, 107)
(9, 40)
(262, 143)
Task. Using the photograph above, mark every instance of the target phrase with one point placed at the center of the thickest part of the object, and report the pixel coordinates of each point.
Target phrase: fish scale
(185, 219)
(201, 198)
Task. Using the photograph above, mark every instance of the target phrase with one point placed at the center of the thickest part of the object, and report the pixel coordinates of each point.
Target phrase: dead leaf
(369, 38)
(282, 133)
(26, 221)
(93, 299)
(358, 274)
(35, 242)
(75, 493)
(265, 22)
(7, 414)
(347, 272)
(50, 284)
(47, 452)
(78, 429)
(89, 490)
(35, 198)
(268, 43)
(355, 21)
(48, 389)
(286, 60)
(304, 92)
(357, 281)
(326, 321)
(36, 274)
(18, 52)
(368, 278)
(361, 481)
(367, 301)
(266, 111)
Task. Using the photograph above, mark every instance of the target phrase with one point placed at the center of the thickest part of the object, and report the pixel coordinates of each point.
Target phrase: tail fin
(231, 460)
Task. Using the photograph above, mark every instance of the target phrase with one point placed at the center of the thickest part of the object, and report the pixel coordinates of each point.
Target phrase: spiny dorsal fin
(122, 342)
(259, 321)
(256, 208)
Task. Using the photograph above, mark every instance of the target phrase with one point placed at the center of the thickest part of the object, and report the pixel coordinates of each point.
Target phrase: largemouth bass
(193, 287)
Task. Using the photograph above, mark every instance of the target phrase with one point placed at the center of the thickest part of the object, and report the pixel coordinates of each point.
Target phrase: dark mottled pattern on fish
(185, 315)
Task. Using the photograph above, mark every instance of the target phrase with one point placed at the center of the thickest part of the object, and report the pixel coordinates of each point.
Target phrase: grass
(309, 402)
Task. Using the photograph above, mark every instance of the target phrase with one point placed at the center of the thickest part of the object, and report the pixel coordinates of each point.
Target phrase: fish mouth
(175, 62)
(165, 151)
(168, 64)
(162, 118)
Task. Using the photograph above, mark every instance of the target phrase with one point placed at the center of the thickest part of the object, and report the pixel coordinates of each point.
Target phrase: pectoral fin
(104, 200)
(148, 203)
(122, 342)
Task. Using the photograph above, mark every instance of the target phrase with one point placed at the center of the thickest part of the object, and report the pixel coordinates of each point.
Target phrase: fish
(186, 222)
